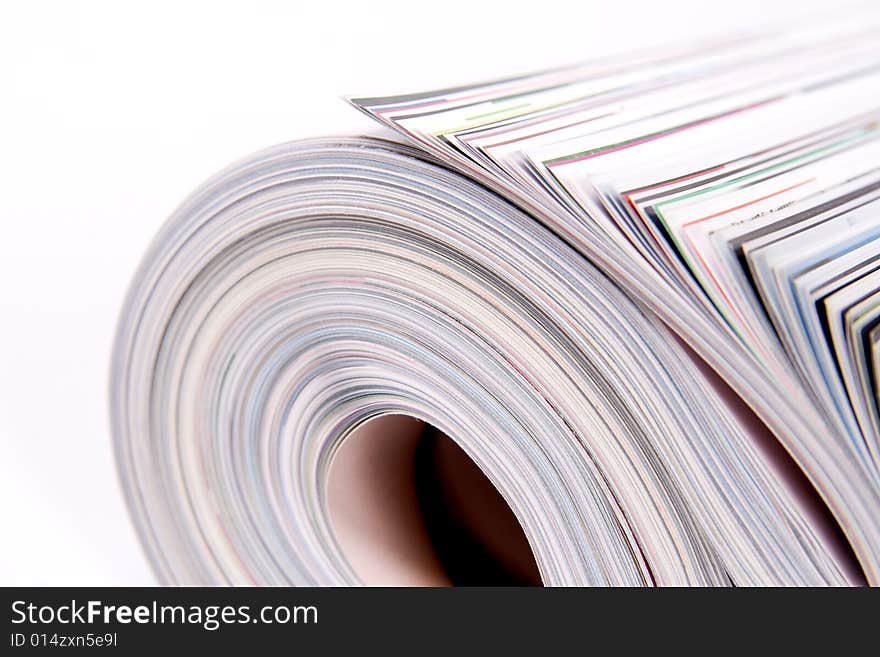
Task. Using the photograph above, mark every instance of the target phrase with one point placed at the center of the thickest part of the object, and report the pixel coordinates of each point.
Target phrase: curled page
(613, 324)
(320, 285)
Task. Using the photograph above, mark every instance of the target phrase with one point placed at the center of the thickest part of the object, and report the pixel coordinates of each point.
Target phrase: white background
(110, 116)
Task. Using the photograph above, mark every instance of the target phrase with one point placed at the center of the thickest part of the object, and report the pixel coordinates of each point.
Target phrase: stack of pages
(642, 295)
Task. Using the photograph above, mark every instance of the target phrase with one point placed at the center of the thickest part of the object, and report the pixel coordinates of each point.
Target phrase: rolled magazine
(624, 313)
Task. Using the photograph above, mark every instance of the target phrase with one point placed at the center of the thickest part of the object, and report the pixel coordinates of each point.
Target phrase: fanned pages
(641, 295)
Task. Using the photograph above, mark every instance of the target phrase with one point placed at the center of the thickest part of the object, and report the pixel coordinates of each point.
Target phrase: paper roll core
(409, 508)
